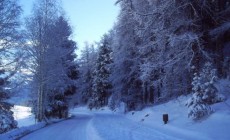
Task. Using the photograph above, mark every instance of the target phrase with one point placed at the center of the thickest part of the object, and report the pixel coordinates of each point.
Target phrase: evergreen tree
(101, 83)
(7, 121)
(62, 70)
(204, 93)
(126, 67)
(85, 81)
(210, 92)
(210, 18)
(197, 107)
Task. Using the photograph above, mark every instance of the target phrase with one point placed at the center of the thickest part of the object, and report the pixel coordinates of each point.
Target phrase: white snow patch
(23, 116)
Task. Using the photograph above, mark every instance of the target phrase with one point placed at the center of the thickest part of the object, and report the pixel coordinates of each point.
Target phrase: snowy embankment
(148, 124)
(216, 126)
(26, 123)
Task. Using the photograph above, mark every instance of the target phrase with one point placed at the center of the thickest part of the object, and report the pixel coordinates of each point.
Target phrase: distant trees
(95, 70)
(9, 60)
(87, 64)
(101, 82)
(52, 59)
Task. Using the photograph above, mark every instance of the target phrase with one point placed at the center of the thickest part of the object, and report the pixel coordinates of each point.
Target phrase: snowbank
(26, 123)
(216, 126)
(130, 125)
(22, 131)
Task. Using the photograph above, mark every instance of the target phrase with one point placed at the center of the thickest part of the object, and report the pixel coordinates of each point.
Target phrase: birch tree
(45, 13)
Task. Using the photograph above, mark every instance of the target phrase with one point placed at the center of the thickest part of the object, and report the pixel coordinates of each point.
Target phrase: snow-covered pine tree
(209, 77)
(127, 85)
(62, 70)
(197, 107)
(101, 83)
(7, 121)
(85, 81)
(204, 93)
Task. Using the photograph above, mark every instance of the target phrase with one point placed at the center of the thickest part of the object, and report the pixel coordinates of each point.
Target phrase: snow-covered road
(117, 127)
(97, 127)
(72, 129)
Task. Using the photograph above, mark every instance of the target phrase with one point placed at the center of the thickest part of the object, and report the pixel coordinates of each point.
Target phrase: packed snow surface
(73, 129)
(147, 124)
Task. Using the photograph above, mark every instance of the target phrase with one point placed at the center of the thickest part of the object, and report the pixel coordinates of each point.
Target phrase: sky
(90, 19)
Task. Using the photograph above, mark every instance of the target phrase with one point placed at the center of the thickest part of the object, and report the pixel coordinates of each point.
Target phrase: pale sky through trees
(90, 19)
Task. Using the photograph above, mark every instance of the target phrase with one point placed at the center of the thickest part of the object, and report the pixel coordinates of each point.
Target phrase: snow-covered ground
(23, 116)
(104, 124)
(216, 126)
(147, 124)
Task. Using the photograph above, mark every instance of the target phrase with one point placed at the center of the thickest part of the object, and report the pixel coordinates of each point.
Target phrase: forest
(156, 51)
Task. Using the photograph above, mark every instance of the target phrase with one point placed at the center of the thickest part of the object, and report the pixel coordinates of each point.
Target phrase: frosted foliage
(101, 84)
(208, 78)
(197, 108)
(10, 38)
(7, 121)
(204, 93)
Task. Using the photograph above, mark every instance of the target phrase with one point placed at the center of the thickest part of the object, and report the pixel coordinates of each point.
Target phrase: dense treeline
(160, 47)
